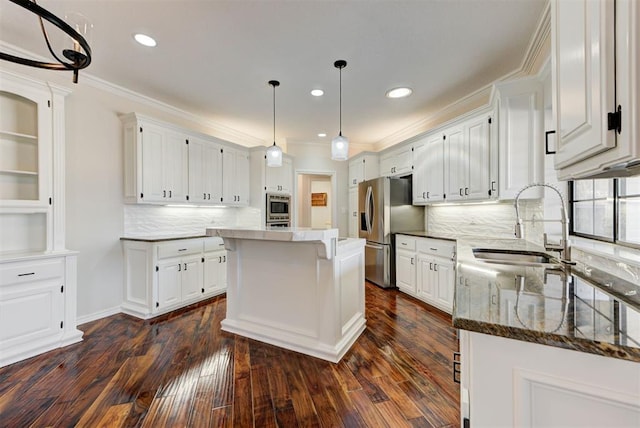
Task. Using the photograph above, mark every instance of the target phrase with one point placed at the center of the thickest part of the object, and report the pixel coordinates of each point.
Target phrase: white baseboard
(98, 315)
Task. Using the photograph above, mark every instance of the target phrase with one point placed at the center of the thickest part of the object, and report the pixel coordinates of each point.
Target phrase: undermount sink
(515, 257)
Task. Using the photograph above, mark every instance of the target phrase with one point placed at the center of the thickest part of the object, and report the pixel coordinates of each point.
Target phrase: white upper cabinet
(156, 162)
(467, 159)
(235, 177)
(397, 162)
(205, 172)
(521, 113)
(25, 144)
(583, 78)
(595, 62)
(362, 167)
(428, 171)
(279, 179)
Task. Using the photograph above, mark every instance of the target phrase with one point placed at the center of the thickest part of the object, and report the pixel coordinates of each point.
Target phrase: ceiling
(214, 58)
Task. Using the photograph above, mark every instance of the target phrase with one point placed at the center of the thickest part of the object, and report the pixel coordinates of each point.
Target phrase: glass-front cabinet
(25, 147)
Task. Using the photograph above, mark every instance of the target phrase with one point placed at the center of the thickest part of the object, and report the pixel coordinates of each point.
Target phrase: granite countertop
(571, 307)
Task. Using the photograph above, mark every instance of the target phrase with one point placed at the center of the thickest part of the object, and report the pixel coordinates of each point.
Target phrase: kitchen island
(300, 289)
(545, 344)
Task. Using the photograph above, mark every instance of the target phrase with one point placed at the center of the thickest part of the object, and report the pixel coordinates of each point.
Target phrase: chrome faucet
(564, 246)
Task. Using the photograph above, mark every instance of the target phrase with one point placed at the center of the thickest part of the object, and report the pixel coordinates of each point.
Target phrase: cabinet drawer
(437, 247)
(21, 272)
(180, 248)
(405, 242)
(213, 244)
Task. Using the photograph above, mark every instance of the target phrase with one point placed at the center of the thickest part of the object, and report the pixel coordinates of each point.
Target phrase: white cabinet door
(153, 142)
(280, 179)
(520, 137)
(583, 77)
(356, 172)
(456, 160)
(353, 213)
(434, 165)
(205, 172)
(235, 182)
(419, 179)
(478, 148)
(191, 277)
(169, 285)
(445, 274)
(43, 301)
(176, 167)
(426, 279)
(406, 271)
(215, 272)
(398, 162)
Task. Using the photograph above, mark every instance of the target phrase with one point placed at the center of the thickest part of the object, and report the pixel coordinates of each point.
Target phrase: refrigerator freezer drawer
(377, 264)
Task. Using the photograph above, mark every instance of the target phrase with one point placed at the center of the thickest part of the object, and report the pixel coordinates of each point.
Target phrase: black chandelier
(77, 58)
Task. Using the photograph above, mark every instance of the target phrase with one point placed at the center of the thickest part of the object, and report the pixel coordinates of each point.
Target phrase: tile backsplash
(491, 220)
(152, 220)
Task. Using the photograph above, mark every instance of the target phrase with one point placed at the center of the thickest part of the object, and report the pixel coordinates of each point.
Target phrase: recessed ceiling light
(317, 92)
(399, 92)
(145, 40)
(322, 134)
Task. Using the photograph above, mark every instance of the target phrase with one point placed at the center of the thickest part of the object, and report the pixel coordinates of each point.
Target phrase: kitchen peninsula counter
(297, 288)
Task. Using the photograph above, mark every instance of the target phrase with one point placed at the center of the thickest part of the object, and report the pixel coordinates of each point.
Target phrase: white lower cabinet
(37, 306)
(161, 276)
(425, 268)
(406, 264)
(506, 382)
(215, 268)
(354, 228)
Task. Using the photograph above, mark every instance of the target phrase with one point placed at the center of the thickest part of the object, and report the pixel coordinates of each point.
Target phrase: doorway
(315, 200)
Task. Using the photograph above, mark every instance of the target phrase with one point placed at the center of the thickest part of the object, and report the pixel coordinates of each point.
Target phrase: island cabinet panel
(164, 275)
(507, 382)
(300, 289)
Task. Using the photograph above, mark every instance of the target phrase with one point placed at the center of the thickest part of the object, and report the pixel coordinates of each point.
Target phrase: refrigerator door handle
(374, 246)
(368, 212)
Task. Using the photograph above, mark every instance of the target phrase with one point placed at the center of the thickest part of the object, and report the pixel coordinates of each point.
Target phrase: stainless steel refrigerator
(384, 205)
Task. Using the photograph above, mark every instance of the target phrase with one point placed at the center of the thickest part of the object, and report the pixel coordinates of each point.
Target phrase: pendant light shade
(340, 144)
(274, 153)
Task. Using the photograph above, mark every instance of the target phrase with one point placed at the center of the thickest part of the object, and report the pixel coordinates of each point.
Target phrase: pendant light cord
(274, 114)
(340, 101)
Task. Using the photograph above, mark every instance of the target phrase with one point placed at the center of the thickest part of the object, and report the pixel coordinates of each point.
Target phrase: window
(606, 209)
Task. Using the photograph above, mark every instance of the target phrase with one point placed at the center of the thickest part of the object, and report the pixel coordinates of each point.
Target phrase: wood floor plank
(180, 369)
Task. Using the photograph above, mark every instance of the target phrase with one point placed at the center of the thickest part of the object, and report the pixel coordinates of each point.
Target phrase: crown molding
(218, 129)
(533, 62)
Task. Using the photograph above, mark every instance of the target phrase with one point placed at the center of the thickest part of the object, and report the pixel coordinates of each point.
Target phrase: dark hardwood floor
(182, 371)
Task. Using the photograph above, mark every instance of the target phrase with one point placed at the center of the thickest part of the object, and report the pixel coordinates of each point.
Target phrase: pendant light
(340, 144)
(274, 153)
(78, 53)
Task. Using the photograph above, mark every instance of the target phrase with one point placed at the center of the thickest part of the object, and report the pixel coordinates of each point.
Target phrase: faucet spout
(564, 246)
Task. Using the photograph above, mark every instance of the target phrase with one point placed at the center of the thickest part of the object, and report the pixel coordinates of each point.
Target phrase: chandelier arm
(68, 66)
(82, 62)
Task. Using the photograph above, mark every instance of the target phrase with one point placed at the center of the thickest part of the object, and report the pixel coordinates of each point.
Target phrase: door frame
(334, 190)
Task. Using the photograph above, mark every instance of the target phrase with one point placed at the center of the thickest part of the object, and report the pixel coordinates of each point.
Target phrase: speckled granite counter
(572, 307)
(425, 234)
(161, 238)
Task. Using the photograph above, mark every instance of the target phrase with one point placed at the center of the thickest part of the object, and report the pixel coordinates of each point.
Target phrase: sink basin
(514, 257)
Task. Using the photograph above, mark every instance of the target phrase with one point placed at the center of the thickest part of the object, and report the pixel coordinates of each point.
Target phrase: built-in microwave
(278, 208)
